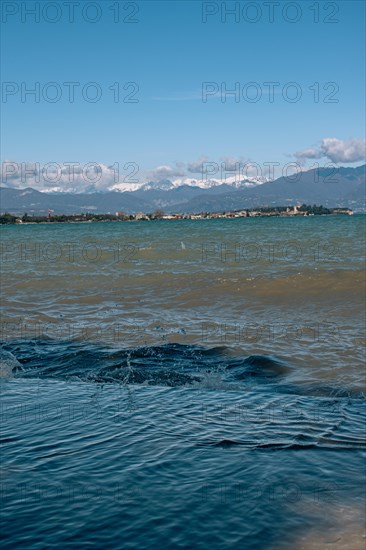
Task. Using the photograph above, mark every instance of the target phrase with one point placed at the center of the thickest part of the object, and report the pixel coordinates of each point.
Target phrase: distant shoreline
(265, 212)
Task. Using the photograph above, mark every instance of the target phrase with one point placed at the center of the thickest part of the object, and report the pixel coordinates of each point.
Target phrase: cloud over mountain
(164, 172)
(93, 177)
(335, 150)
(71, 177)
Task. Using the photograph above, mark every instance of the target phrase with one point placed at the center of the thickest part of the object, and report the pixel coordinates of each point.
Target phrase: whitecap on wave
(8, 362)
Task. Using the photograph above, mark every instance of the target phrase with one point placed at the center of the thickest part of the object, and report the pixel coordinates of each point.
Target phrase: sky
(143, 86)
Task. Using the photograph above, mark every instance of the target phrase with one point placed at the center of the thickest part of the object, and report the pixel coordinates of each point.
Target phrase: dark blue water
(176, 445)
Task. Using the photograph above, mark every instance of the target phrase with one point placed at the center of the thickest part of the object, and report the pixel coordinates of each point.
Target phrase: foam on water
(8, 364)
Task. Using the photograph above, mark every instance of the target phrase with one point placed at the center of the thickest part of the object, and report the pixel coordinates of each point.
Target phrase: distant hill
(327, 186)
(34, 202)
(340, 187)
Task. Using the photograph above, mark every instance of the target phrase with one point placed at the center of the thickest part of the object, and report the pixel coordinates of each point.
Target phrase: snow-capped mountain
(343, 187)
(168, 185)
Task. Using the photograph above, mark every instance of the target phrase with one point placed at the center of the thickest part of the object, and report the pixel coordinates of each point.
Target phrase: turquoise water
(191, 384)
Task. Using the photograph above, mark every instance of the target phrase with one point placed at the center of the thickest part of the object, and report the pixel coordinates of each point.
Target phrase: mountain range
(332, 187)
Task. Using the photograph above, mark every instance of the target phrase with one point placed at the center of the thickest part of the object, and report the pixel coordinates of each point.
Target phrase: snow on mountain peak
(167, 185)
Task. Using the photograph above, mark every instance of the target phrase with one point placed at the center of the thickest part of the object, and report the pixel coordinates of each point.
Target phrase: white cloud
(165, 172)
(335, 150)
(234, 164)
(57, 177)
(197, 166)
(227, 163)
(310, 153)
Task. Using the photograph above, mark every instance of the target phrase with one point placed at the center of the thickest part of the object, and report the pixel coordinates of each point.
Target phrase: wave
(330, 444)
(172, 365)
(169, 364)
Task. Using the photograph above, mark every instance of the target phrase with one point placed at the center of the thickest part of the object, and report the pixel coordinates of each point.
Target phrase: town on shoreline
(281, 211)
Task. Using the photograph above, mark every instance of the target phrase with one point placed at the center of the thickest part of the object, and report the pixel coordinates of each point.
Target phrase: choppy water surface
(191, 384)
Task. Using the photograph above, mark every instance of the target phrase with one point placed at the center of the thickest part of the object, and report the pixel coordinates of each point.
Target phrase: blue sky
(168, 53)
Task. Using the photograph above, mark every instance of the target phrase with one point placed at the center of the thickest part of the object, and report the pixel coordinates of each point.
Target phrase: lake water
(191, 384)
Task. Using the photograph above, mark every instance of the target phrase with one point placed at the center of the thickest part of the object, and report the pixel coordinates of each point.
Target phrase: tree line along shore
(303, 210)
